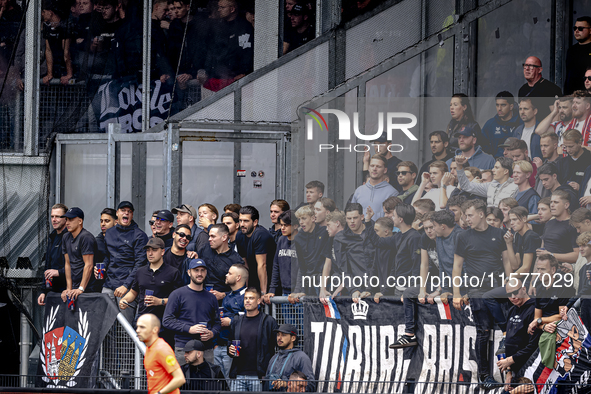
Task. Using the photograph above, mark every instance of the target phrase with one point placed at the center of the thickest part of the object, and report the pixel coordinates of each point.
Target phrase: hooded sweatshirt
(374, 196)
(497, 131)
(285, 258)
(125, 247)
(285, 362)
(479, 159)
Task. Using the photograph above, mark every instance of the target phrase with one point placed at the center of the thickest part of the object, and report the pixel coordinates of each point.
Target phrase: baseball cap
(194, 263)
(185, 208)
(287, 329)
(74, 213)
(298, 9)
(466, 131)
(382, 138)
(194, 344)
(508, 142)
(155, 243)
(125, 204)
(517, 144)
(165, 214)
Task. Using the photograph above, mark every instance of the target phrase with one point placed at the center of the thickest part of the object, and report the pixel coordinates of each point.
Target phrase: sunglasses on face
(579, 28)
(183, 235)
(588, 78)
(514, 293)
(152, 222)
(403, 173)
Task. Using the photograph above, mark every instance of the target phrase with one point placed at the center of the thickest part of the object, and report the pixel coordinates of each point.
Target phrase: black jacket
(266, 340)
(204, 377)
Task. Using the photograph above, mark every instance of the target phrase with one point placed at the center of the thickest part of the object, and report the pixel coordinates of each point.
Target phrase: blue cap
(194, 263)
(165, 214)
(382, 138)
(74, 213)
(466, 131)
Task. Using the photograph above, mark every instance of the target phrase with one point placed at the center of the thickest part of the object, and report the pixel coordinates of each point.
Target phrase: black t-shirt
(528, 243)
(408, 256)
(260, 242)
(559, 236)
(173, 260)
(482, 251)
(543, 95)
(557, 295)
(247, 361)
(55, 36)
(84, 244)
(429, 245)
(578, 59)
(295, 39)
(575, 169)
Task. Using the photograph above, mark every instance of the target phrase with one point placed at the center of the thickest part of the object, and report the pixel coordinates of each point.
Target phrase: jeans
(292, 314)
(492, 299)
(483, 322)
(221, 358)
(246, 383)
(410, 306)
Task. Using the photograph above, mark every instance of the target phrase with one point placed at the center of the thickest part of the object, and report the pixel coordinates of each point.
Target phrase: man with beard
(577, 161)
(192, 313)
(407, 174)
(381, 146)
(577, 56)
(79, 249)
(54, 258)
(257, 248)
(108, 219)
(163, 226)
(186, 214)
(125, 255)
(288, 360)
(563, 108)
(232, 307)
(474, 153)
(581, 120)
(231, 219)
(254, 330)
(525, 132)
(176, 255)
(549, 148)
(219, 258)
(439, 142)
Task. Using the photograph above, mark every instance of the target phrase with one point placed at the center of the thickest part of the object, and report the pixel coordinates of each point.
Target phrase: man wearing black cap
(381, 147)
(257, 344)
(186, 214)
(159, 278)
(467, 142)
(302, 30)
(192, 313)
(200, 374)
(79, 248)
(163, 226)
(505, 145)
(288, 360)
(125, 255)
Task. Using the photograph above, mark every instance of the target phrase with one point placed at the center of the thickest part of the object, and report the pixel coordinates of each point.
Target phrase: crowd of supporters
(511, 199)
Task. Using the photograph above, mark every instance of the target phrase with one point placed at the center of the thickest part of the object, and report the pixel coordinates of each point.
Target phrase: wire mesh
(286, 313)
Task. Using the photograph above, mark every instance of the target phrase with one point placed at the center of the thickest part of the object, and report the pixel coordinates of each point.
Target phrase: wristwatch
(81, 289)
(539, 321)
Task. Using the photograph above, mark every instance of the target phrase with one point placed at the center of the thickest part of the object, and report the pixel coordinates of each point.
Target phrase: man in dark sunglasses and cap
(163, 226)
(186, 214)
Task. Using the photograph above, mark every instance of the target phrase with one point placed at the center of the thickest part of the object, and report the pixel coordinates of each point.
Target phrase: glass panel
(222, 109)
(274, 96)
(125, 171)
(258, 191)
(154, 179)
(216, 184)
(380, 37)
(85, 168)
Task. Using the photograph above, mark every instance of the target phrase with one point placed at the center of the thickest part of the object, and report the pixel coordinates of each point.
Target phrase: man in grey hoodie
(501, 187)
(376, 189)
(288, 360)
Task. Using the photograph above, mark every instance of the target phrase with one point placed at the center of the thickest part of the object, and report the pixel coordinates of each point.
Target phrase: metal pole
(112, 167)
(131, 332)
(32, 78)
(137, 368)
(147, 67)
(25, 349)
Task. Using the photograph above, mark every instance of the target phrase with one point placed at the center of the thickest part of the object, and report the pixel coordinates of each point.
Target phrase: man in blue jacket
(469, 148)
(526, 132)
(502, 126)
(125, 254)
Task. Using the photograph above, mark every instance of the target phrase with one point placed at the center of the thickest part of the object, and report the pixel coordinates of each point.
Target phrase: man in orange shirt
(164, 373)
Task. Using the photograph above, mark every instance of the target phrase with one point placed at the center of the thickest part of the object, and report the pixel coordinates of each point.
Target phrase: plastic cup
(236, 344)
(148, 293)
(221, 309)
(500, 356)
(48, 283)
(100, 268)
(70, 302)
(208, 287)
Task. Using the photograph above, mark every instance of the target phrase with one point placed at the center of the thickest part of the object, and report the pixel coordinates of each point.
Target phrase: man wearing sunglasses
(518, 318)
(578, 58)
(176, 255)
(543, 91)
(163, 226)
(186, 214)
